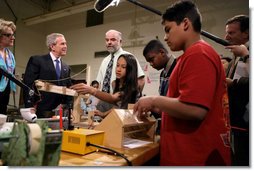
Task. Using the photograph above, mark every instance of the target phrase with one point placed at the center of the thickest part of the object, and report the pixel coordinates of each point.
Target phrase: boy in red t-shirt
(195, 125)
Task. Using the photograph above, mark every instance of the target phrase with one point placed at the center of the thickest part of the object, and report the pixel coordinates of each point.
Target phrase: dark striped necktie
(106, 81)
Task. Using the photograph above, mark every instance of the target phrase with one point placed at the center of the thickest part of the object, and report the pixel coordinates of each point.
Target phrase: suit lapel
(64, 70)
(51, 66)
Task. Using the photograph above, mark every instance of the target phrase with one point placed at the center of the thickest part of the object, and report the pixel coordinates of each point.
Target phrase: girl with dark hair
(126, 80)
(125, 86)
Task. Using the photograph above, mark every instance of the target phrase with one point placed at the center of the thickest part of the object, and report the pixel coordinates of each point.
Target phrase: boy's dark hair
(183, 9)
(243, 20)
(153, 46)
(94, 82)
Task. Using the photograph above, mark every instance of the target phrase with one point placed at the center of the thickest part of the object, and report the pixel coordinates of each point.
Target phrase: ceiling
(24, 9)
(37, 11)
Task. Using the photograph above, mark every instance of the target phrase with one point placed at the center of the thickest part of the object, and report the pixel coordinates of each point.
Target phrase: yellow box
(75, 140)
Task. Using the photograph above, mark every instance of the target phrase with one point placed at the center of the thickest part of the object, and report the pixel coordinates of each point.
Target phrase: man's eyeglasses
(7, 35)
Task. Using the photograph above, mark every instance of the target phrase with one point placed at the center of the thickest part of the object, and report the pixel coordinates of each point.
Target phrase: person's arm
(86, 89)
(239, 50)
(141, 76)
(172, 106)
(31, 74)
(100, 75)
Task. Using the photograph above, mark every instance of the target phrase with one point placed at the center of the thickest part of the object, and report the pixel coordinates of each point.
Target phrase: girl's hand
(117, 96)
(82, 88)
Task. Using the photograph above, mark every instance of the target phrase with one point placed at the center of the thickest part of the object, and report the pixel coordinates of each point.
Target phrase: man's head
(57, 44)
(237, 30)
(181, 21)
(156, 54)
(113, 40)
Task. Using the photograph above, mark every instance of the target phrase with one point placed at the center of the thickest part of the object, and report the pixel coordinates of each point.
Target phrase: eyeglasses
(7, 35)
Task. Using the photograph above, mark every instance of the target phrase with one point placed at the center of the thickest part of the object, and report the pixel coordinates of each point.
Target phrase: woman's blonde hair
(4, 24)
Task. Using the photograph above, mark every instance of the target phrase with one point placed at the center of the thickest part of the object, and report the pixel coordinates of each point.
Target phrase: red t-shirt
(198, 78)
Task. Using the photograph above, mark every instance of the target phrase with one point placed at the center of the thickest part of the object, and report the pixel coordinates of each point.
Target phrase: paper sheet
(134, 143)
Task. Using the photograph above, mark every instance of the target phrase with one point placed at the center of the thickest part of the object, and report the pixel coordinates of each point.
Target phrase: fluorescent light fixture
(58, 14)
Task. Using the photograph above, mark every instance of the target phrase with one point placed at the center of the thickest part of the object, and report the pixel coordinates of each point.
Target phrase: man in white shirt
(237, 34)
(113, 40)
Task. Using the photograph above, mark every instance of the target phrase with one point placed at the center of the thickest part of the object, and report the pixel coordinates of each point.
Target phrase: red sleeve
(197, 80)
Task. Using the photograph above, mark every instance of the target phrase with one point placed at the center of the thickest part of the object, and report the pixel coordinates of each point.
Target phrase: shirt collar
(118, 52)
(53, 57)
(170, 62)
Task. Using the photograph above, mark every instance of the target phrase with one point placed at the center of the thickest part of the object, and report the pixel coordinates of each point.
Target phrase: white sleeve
(140, 70)
(99, 77)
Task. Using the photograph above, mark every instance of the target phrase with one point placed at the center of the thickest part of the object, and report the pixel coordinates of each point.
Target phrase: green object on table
(16, 151)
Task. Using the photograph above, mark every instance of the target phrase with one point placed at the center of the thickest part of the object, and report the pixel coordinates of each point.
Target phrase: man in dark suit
(237, 34)
(50, 68)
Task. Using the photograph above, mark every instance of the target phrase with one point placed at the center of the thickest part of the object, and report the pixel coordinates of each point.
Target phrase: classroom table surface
(137, 156)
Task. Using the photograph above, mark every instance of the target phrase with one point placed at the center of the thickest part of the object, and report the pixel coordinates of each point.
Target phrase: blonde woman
(7, 62)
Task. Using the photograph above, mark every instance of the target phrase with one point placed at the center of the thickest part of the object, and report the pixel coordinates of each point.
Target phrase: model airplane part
(45, 86)
(76, 112)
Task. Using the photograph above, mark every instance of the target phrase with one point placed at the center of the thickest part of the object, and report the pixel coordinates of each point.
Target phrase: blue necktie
(58, 71)
(107, 78)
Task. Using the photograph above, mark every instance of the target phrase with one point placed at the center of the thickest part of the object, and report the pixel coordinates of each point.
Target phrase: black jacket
(42, 67)
(238, 93)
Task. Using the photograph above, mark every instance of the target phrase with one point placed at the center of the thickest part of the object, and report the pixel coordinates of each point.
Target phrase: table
(137, 156)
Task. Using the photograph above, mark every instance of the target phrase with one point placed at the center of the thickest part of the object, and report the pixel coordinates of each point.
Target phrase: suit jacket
(42, 67)
(164, 79)
(238, 93)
